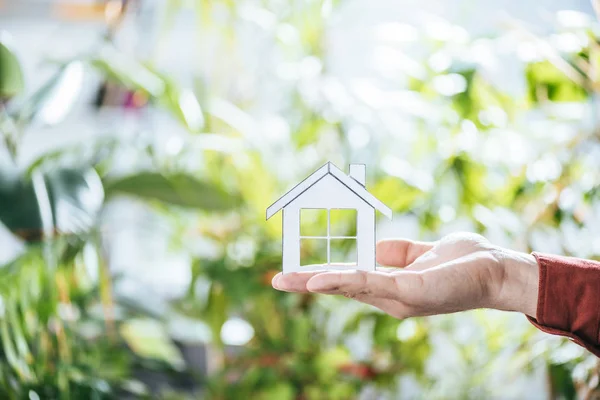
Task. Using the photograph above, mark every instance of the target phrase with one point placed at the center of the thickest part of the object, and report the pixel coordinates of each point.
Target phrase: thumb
(401, 252)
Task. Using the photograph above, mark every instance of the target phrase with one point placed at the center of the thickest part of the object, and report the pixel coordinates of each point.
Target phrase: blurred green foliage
(514, 166)
(11, 75)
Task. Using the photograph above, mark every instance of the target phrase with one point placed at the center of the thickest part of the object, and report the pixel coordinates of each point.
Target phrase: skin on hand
(460, 272)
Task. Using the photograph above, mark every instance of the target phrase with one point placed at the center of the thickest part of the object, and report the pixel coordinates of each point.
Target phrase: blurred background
(141, 142)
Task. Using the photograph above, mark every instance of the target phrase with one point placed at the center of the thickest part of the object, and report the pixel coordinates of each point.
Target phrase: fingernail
(275, 281)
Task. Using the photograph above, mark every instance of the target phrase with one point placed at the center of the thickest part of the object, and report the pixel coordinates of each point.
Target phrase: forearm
(560, 295)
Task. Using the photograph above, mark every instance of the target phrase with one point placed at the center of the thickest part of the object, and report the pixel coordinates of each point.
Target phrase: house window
(328, 237)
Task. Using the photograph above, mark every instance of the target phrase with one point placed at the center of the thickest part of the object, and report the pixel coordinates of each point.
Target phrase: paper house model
(330, 191)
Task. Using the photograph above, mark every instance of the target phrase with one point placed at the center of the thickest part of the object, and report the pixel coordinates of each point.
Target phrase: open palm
(459, 272)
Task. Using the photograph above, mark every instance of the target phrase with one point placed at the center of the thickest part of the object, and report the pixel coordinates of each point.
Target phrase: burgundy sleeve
(569, 299)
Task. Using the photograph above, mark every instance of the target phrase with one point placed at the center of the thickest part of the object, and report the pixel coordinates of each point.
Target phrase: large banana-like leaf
(11, 75)
(127, 71)
(177, 189)
(75, 199)
(182, 103)
(51, 103)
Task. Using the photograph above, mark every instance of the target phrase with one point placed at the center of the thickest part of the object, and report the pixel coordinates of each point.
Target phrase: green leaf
(177, 189)
(397, 194)
(480, 95)
(15, 324)
(182, 103)
(18, 364)
(561, 382)
(215, 312)
(384, 330)
(51, 103)
(11, 74)
(149, 339)
(19, 210)
(279, 391)
(134, 75)
(129, 72)
(471, 178)
(547, 82)
(75, 197)
(301, 333)
(309, 131)
(185, 107)
(329, 361)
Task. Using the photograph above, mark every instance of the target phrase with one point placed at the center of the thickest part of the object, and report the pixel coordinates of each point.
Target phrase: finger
(391, 307)
(378, 289)
(293, 281)
(401, 252)
(354, 283)
(297, 282)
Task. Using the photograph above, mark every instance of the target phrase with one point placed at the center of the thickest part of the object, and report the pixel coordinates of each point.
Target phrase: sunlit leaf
(396, 194)
(471, 178)
(479, 96)
(129, 72)
(546, 82)
(328, 362)
(182, 103)
(279, 391)
(149, 339)
(51, 103)
(16, 327)
(11, 75)
(177, 189)
(215, 313)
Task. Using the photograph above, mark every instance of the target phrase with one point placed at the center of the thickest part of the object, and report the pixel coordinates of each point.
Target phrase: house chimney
(358, 172)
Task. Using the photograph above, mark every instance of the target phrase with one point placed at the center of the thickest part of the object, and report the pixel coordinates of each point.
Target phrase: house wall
(328, 193)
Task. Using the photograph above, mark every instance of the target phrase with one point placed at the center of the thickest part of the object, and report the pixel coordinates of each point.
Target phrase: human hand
(460, 272)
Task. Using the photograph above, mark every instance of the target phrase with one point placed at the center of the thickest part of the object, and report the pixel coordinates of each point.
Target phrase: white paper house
(329, 188)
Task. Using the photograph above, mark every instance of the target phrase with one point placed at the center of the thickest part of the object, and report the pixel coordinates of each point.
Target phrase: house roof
(329, 169)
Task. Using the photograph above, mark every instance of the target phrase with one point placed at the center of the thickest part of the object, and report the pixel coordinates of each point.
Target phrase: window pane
(313, 222)
(342, 222)
(313, 252)
(343, 251)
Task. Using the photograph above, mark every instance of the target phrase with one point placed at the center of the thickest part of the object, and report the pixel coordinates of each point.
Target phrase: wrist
(518, 289)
